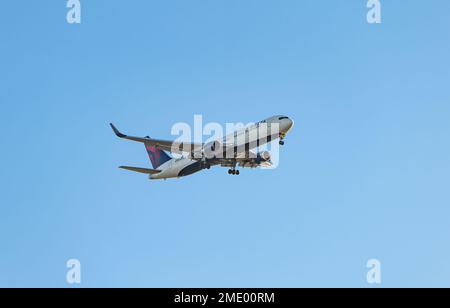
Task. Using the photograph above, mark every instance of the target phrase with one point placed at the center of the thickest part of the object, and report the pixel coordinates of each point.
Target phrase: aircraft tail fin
(157, 157)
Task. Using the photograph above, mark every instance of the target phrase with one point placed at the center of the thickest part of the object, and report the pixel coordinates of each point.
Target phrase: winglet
(116, 131)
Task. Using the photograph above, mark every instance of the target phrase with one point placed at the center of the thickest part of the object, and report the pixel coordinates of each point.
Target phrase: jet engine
(263, 157)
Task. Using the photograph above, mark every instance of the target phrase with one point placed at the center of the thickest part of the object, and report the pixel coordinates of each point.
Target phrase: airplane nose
(290, 124)
(287, 125)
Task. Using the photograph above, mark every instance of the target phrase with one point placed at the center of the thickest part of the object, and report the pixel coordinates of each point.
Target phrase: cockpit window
(283, 118)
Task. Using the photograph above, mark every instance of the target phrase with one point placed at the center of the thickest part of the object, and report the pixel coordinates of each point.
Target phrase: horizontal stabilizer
(140, 170)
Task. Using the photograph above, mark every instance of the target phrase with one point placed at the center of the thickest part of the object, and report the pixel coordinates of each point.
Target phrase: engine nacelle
(263, 156)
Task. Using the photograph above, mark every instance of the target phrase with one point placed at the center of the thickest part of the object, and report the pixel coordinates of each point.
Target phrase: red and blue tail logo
(157, 156)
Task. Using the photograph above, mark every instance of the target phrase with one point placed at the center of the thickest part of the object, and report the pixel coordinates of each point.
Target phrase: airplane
(233, 150)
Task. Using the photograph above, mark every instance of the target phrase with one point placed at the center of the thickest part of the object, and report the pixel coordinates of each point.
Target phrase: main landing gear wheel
(234, 172)
(281, 142)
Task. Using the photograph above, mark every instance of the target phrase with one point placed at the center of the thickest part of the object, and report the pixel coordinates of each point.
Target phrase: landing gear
(234, 172)
(282, 136)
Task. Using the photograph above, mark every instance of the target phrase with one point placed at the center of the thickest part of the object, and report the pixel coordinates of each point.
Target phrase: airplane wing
(253, 160)
(246, 160)
(165, 145)
(253, 163)
(140, 170)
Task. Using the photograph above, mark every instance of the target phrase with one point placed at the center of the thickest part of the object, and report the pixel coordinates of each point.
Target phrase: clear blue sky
(365, 173)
